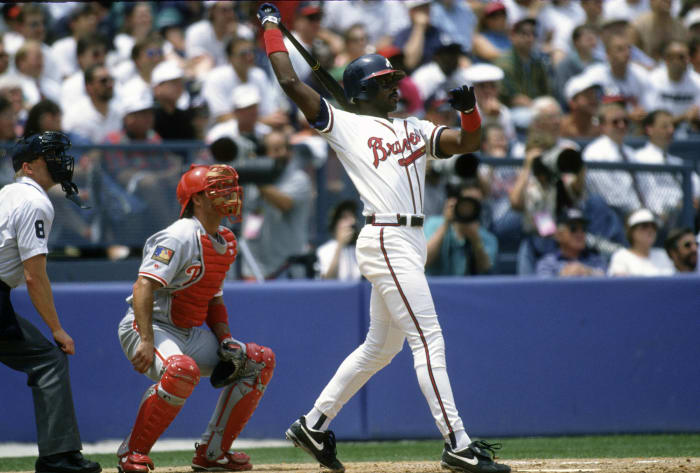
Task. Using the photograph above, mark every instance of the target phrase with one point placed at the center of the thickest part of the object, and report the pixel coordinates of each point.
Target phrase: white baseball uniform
(386, 160)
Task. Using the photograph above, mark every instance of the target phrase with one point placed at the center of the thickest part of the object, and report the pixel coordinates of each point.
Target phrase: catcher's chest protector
(190, 304)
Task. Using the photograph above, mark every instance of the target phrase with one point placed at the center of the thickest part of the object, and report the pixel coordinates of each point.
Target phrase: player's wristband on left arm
(470, 121)
(274, 42)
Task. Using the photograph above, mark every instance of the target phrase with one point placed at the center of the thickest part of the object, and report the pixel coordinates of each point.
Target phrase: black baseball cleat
(476, 458)
(68, 462)
(318, 444)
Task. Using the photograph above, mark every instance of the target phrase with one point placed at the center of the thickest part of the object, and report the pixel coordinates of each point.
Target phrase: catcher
(179, 287)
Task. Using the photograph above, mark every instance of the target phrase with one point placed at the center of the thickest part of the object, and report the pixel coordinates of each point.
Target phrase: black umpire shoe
(319, 444)
(476, 458)
(68, 462)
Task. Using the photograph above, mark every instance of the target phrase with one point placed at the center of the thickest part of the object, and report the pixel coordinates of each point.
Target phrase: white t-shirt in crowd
(65, 54)
(380, 18)
(83, 119)
(626, 263)
(201, 39)
(348, 270)
(632, 87)
(220, 83)
(72, 90)
(429, 78)
(676, 97)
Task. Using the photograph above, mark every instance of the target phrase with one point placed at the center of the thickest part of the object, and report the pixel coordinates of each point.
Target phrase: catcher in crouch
(179, 287)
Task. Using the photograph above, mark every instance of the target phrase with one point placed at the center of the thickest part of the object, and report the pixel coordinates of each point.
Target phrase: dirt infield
(604, 465)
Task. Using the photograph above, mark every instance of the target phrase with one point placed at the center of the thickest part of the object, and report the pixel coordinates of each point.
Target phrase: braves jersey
(385, 158)
(26, 215)
(174, 258)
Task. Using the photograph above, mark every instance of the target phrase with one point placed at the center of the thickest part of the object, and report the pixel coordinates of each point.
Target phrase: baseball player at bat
(179, 288)
(385, 159)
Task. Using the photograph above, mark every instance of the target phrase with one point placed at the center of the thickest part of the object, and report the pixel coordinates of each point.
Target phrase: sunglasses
(620, 121)
(314, 17)
(577, 227)
(154, 52)
(105, 80)
(689, 244)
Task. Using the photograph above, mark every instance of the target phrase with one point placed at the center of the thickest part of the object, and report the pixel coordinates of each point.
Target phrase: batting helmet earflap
(358, 78)
(220, 183)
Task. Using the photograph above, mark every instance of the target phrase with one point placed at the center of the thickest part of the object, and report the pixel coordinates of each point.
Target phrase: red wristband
(274, 43)
(470, 121)
(217, 313)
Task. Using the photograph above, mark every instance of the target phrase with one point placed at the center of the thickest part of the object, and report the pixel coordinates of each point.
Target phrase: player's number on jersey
(39, 227)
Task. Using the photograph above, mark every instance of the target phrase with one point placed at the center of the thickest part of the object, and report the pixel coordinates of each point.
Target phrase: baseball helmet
(359, 75)
(219, 182)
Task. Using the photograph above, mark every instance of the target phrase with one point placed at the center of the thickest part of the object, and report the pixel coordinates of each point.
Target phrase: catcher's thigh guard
(239, 400)
(161, 403)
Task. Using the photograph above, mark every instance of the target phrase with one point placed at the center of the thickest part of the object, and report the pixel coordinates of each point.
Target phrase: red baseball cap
(494, 7)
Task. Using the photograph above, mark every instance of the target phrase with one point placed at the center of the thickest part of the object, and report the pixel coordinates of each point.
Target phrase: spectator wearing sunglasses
(94, 116)
(640, 259)
(620, 189)
(573, 257)
(682, 247)
(135, 74)
(91, 50)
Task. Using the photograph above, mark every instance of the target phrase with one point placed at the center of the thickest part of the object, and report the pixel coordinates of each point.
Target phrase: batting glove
(463, 99)
(269, 12)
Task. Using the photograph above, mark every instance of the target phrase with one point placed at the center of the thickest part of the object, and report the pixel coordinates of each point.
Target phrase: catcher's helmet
(358, 78)
(52, 146)
(220, 184)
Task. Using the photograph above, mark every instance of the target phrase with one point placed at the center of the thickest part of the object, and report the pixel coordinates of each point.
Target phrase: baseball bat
(319, 72)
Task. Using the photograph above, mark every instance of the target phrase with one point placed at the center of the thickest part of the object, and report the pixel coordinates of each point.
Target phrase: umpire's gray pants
(46, 367)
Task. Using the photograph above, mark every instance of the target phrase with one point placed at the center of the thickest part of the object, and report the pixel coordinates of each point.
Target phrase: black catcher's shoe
(69, 462)
(476, 458)
(319, 444)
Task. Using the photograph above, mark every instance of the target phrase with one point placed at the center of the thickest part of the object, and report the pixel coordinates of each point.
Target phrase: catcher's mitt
(231, 365)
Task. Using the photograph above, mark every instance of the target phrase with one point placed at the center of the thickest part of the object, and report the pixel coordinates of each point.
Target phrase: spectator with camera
(458, 245)
(336, 257)
(573, 257)
(552, 179)
(682, 247)
(640, 259)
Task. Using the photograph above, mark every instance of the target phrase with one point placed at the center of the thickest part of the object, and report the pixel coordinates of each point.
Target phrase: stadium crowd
(559, 84)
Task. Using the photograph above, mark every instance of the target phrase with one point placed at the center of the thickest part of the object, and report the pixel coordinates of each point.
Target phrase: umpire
(26, 215)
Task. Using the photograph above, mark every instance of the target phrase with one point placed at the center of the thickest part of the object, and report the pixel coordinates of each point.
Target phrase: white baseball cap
(165, 71)
(692, 17)
(135, 102)
(641, 216)
(245, 95)
(483, 72)
(415, 3)
(577, 84)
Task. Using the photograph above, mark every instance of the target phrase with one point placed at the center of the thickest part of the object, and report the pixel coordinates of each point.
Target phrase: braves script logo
(382, 151)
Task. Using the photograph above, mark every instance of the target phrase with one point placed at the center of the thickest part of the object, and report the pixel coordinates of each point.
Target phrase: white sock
(463, 440)
(313, 417)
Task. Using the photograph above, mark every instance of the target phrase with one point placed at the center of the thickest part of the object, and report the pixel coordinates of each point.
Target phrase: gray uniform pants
(46, 367)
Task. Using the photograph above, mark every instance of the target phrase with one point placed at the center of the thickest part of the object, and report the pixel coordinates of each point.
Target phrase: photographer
(336, 258)
(457, 244)
(551, 180)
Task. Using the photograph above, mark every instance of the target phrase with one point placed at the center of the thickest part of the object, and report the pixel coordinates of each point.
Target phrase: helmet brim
(383, 72)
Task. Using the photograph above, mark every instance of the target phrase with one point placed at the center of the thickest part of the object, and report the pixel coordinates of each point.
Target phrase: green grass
(612, 446)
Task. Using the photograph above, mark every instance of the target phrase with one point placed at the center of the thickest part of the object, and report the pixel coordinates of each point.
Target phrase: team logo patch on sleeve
(163, 254)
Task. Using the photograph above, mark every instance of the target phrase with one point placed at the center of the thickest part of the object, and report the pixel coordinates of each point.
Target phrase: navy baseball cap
(571, 215)
(309, 8)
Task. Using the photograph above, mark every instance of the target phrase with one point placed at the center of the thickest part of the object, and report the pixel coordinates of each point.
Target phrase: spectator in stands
(456, 19)
(583, 98)
(95, 116)
(492, 38)
(137, 26)
(419, 41)
(672, 88)
(541, 192)
(169, 23)
(4, 57)
(620, 189)
(664, 189)
(142, 175)
(692, 22)
(382, 19)
(281, 209)
(30, 65)
(458, 245)
(572, 258)
(616, 25)
(545, 118)
(620, 78)
(356, 43)
(171, 123)
(244, 124)
(219, 85)
(629, 9)
(578, 58)
(443, 72)
(682, 248)
(11, 89)
(135, 76)
(8, 135)
(82, 22)
(205, 40)
(486, 79)
(336, 257)
(640, 259)
(307, 27)
(526, 75)
(32, 26)
(658, 27)
(91, 51)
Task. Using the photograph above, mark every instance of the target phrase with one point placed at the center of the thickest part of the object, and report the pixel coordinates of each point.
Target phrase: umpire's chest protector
(190, 304)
